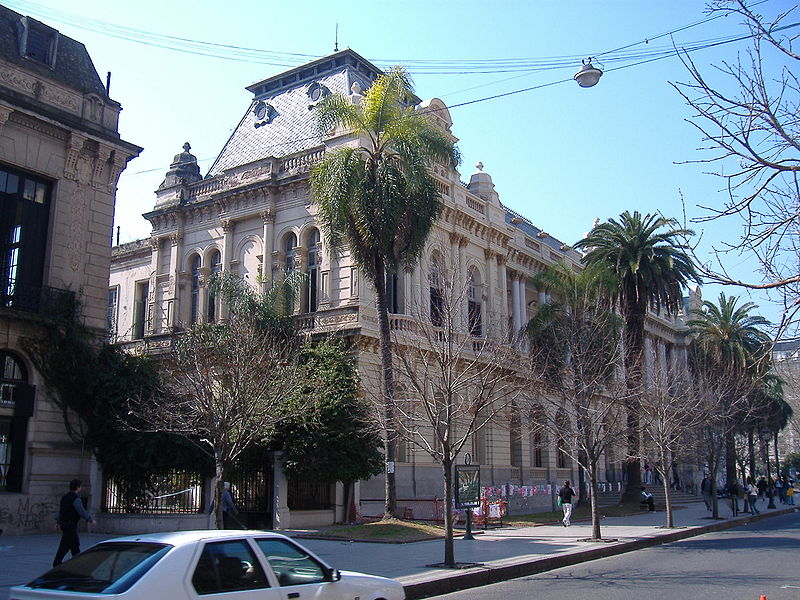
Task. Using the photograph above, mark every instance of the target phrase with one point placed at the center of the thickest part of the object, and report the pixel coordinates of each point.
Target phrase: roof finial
(479, 166)
(186, 147)
(336, 39)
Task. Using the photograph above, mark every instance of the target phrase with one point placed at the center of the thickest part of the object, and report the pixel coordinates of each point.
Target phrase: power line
(417, 66)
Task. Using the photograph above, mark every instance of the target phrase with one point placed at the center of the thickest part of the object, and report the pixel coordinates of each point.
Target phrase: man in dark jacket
(565, 495)
(70, 512)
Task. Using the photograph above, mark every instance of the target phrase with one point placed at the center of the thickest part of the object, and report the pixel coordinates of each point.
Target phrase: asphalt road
(737, 564)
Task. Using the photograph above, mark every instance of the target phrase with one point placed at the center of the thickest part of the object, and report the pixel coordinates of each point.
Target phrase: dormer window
(37, 42)
(316, 92)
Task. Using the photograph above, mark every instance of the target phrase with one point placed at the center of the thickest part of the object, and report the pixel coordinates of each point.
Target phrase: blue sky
(559, 154)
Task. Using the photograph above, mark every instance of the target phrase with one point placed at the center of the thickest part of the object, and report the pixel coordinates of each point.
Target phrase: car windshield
(108, 568)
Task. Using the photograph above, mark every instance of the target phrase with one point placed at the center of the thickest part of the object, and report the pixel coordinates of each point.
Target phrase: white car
(240, 565)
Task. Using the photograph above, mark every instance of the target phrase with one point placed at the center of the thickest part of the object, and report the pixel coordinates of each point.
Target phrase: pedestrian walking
(762, 487)
(647, 498)
(70, 512)
(751, 489)
(780, 488)
(705, 489)
(229, 510)
(733, 497)
(789, 494)
(565, 496)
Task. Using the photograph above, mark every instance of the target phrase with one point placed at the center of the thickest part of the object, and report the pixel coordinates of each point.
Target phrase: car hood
(372, 586)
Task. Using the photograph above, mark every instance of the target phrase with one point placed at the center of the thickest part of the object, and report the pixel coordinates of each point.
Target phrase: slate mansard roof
(289, 96)
(73, 66)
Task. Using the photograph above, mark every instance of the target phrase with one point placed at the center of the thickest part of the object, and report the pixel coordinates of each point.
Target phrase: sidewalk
(505, 553)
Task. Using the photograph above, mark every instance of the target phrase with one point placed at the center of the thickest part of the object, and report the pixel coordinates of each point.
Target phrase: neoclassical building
(252, 215)
(60, 158)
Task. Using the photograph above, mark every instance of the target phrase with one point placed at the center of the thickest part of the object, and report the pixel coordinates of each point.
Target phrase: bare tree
(670, 412)
(454, 379)
(747, 115)
(722, 396)
(576, 339)
(224, 383)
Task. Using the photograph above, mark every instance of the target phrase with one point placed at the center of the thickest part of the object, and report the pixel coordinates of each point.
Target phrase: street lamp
(588, 75)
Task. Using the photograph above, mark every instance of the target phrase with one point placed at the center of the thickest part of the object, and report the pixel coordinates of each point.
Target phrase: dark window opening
(24, 215)
(140, 309)
(38, 42)
(194, 314)
(216, 269)
(312, 291)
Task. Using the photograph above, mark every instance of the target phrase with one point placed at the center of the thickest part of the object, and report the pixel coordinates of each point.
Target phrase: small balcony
(51, 303)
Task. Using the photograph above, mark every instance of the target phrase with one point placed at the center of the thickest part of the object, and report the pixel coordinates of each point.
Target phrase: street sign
(468, 486)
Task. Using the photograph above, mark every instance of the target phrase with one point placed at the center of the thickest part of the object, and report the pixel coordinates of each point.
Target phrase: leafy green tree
(650, 261)
(733, 342)
(93, 381)
(380, 199)
(334, 440)
(575, 341)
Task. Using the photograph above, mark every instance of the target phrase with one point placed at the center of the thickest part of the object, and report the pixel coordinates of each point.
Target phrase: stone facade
(60, 158)
(252, 215)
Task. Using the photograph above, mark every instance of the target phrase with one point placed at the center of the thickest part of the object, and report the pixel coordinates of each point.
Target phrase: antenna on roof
(336, 39)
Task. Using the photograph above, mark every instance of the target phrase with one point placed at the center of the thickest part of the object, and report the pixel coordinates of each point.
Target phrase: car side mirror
(332, 574)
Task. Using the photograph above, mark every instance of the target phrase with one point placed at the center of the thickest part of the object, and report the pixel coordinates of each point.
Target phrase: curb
(480, 576)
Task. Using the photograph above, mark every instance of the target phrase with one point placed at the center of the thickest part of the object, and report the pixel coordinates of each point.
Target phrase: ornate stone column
(176, 244)
(268, 220)
(502, 283)
(515, 309)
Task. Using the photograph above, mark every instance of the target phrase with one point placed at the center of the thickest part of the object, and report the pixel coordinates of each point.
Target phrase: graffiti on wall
(28, 514)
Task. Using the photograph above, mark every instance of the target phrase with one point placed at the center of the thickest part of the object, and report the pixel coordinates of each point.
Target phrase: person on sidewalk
(565, 496)
(762, 487)
(733, 497)
(789, 494)
(752, 496)
(70, 512)
(647, 498)
(229, 510)
(705, 489)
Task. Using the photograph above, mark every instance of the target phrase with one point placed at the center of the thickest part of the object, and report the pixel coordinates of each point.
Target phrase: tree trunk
(449, 553)
(219, 482)
(596, 535)
(664, 469)
(777, 456)
(751, 453)
(387, 384)
(730, 458)
(634, 365)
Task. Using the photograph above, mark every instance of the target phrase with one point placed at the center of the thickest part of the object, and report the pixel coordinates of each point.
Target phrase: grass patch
(387, 530)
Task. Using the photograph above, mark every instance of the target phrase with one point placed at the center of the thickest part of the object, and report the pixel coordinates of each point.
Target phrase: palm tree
(737, 345)
(651, 263)
(380, 200)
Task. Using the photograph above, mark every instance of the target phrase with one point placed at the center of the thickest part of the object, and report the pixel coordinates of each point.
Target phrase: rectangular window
(111, 311)
(140, 309)
(24, 216)
(38, 42)
(229, 566)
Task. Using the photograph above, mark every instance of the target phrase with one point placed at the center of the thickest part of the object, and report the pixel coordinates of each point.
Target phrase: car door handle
(293, 595)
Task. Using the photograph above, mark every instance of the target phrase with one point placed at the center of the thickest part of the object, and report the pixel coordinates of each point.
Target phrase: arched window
(212, 309)
(436, 292)
(474, 304)
(16, 398)
(194, 265)
(289, 250)
(312, 292)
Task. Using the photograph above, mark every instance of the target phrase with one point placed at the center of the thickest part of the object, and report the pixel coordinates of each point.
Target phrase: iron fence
(309, 495)
(172, 492)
